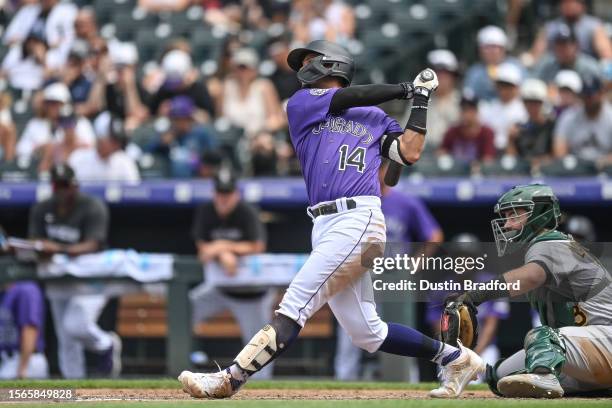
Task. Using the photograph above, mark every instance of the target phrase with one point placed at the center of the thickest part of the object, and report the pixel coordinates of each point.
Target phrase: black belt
(331, 208)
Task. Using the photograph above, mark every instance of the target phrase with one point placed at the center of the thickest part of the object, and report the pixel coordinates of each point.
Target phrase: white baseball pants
(334, 274)
(37, 366)
(77, 330)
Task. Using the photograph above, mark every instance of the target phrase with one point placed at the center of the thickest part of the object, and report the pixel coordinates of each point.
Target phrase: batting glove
(425, 82)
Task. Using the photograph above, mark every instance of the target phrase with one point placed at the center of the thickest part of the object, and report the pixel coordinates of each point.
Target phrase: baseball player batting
(568, 287)
(340, 137)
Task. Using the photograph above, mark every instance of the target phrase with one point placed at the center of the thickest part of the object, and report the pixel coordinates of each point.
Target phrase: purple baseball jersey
(339, 154)
(407, 218)
(22, 304)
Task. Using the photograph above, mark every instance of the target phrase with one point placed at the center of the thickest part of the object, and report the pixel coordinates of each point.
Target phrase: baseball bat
(392, 175)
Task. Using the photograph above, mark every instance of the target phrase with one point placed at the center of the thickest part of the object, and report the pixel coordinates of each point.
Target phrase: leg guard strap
(544, 350)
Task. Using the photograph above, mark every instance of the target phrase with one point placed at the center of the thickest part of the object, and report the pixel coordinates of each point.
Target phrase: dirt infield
(271, 394)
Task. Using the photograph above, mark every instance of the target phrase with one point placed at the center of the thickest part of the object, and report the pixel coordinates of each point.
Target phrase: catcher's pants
(333, 273)
(76, 326)
(37, 366)
(251, 314)
(588, 364)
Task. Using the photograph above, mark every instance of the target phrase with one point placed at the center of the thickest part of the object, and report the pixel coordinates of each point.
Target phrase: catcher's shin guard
(545, 351)
(267, 344)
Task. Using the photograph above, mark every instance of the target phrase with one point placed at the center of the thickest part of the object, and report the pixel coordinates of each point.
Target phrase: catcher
(568, 287)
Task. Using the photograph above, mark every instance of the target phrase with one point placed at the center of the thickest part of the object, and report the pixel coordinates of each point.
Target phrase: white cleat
(208, 385)
(458, 373)
(530, 386)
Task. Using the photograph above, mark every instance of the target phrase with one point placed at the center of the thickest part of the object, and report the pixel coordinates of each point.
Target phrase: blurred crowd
(205, 81)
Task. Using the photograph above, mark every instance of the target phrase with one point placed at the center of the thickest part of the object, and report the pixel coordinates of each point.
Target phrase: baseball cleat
(458, 373)
(530, 386)
(209, 385)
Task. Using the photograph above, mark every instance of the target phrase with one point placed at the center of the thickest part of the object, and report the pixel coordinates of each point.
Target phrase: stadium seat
(153, 167)
(506, 166)
(143, 134)
(442, 166)
(18, 171)
(569, 166)
(106, 9)
(204, 44)
(148, 44)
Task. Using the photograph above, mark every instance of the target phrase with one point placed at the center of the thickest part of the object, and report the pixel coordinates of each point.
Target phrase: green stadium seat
(153, 167)
(204, 44)
(569, 166)
(106, 9)
(506, 166)
(125, 26)
(443, 166)
(18, 171)
(143, 134)
(147, 43)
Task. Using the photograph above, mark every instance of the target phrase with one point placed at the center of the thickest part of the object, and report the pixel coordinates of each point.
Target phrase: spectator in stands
(444, 110)
(22, 331)
(73, 223)
(74, 75)
(590, 32)
(569, 87)
(480, 77)
(504, 113)
(108, 161)
(47, 19)
(25, 65)
(86, 27)
(248, 101)
(533, 141)
(284, 79)
(8, 134)
(46, 128)
(470, 140)
(58, 151)
(565, 55)
(181, 79)
(340, 19)
(116, 88)
(585, 130)
(210, 163)
(186, 140)
(225, 230)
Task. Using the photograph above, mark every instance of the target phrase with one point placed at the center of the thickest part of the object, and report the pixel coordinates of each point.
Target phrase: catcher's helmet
(542, 213)
(333, 60)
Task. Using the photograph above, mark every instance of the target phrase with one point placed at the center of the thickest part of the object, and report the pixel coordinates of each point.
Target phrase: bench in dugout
(142, 326)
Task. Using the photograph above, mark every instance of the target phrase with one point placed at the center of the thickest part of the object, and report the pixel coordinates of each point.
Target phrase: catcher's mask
(542, 212)
(332, 60)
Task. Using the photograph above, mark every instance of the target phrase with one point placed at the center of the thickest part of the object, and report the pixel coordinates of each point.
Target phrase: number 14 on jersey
(355, 158)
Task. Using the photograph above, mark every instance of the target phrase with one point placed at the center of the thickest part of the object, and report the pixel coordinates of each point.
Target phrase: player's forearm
(82, 248)
(242, 248)
(368, 95)
(27, 347)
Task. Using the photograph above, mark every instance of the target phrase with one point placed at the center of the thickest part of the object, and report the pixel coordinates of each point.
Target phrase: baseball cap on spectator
(57, 92)
(508, 74)
(534, 89)
(492, 35)
(591, 86)
(176, 64)
(123, 53)
(225, 181)
(469, 99)
(564, 33)
(79, 50)
(181, 106)
(443, 60)
(245, 57)
(568, 79)
(108, 126)
(62, 174)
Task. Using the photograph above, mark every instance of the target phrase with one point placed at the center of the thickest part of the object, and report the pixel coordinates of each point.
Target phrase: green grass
(171, 383)
(341, 404)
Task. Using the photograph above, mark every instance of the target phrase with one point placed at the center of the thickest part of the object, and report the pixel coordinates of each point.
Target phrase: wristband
(418, 113)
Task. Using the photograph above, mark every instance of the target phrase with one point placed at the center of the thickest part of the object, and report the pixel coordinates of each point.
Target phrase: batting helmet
(333, 60)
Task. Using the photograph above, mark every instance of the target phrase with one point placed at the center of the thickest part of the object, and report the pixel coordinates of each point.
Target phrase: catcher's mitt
(459, 322)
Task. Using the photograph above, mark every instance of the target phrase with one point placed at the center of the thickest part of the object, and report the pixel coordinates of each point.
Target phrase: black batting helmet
(334, 60)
